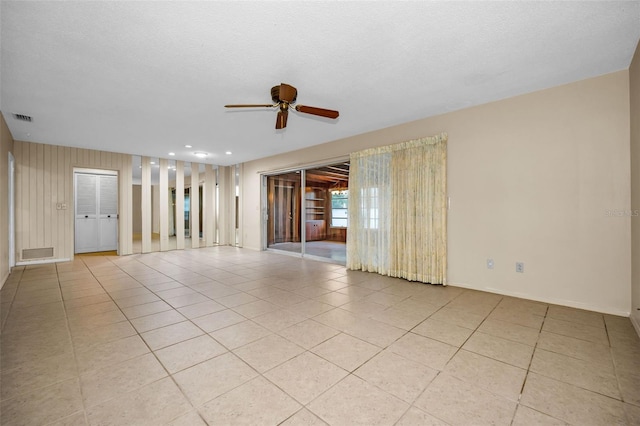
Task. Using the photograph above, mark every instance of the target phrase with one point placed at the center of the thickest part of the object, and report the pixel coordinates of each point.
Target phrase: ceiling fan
(284, 96)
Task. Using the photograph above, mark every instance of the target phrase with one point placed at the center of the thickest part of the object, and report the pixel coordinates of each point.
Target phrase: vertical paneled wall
(44, 195)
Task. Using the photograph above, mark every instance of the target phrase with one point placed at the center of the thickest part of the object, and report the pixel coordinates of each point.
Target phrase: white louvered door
(96, 212)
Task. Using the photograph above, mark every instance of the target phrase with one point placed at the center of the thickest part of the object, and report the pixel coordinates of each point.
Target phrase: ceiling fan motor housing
(275, 95)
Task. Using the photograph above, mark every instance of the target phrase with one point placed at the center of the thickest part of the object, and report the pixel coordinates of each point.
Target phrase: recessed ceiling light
(200, 154)
(172, 154)
(152, 162)
(188, 146)
(228, 152)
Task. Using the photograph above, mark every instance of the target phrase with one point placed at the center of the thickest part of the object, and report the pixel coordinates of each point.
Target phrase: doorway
(307, 212)
(96, 210)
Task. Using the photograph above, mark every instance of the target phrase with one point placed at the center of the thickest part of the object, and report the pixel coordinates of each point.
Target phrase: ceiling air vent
(22, 117)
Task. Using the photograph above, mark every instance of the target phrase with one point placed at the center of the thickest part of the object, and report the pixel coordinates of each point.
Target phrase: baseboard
(41, 262)
(636, 323)
(551, 300)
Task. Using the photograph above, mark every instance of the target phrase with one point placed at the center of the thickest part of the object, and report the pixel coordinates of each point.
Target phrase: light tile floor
(230, 336)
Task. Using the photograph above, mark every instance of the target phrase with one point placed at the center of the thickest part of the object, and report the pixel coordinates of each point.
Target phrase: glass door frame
(303, 204)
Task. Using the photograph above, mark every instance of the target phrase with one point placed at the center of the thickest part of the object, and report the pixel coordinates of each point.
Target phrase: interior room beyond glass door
(325, 212)
(283, 212)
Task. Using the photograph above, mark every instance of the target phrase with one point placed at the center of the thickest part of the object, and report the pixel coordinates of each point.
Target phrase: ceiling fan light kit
(283, 96)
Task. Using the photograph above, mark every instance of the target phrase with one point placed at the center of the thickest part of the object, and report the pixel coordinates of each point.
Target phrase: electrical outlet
(489, 263)
(520, 267)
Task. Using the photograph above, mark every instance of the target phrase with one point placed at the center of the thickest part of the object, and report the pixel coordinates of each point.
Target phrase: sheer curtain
(398, 210)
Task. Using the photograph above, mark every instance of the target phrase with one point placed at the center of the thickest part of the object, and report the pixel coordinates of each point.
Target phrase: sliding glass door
(283, 212)
(309, 217)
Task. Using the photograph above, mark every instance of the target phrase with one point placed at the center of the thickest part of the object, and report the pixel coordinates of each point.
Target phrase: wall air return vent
(22, 117)
(37, 253)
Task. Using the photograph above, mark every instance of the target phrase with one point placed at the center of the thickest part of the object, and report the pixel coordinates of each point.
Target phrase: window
(339, 203)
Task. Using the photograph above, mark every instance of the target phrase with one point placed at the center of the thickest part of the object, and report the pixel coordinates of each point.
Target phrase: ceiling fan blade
(288, 93)
(329, 113)
(281, 121)
(250, 106)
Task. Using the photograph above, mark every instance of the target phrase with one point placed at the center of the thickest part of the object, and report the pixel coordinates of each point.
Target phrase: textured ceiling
(149, 77)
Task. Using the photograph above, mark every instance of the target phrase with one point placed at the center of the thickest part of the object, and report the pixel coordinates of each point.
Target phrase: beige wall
(531, 179)
(634, 91)
(44, 177)
(6, 146)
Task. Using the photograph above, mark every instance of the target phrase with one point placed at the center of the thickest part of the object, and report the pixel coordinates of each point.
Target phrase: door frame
(12, 211)
(264, 190)
(101, 172)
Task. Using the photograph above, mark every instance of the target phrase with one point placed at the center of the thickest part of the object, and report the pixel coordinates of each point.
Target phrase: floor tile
(363, 308)
(174, 333)
(335, 299)
(445, 332)
(570, 403)
(486, 373)
(423, 350)
(200, 309)
(268, 352)
(256, 402)
(254, 309)
(577, 372)
(153, 404)
(630, 387)
(526, 416)
(54, 352)
(218, 320)
(415, 417)
(236, 300)
(101, 385)
(517, 316)
(576, 330)
(110, 353)
(396, 375)
(356, 402)
(577, 348)
(189, 353)
(161, 319)
(310, 308)
(508, 351)
(303, 417)
(633, 414)
(240, 334)
(308, 333)
(43, 405)
(210, 379)
(400, 318)
(137, 300)
(374, 332)
(36, 374)
(192, 418)
(618, 324)
(83, 339)
(457, 317)
(459, 403)
(306, 376)
(579, 316)
(146, 309)
(96, 320)
(346, 351)
(509, 331)
(76, 419)
(279, 319)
